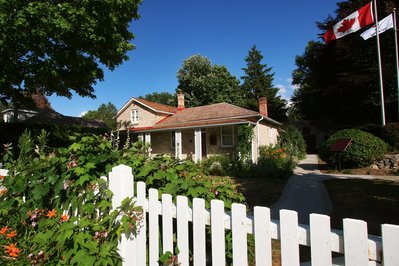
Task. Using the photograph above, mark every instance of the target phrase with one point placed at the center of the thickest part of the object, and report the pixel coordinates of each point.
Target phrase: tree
(161, 97)
(60, 46)
(105, 112)
(339, 81)
(204, 83)
(258, 82)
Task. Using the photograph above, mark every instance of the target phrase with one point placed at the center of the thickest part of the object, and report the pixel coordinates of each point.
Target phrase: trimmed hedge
(363, 150)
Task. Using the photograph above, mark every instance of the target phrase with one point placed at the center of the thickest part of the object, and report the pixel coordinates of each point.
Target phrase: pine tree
(258, 82)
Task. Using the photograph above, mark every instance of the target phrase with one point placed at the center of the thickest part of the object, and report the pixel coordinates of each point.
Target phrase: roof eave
(126, 105)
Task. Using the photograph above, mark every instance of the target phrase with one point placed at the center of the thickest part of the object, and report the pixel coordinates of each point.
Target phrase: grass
(260, 191)
(374, 201)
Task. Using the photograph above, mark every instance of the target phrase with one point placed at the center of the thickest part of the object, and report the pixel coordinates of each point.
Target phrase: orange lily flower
(12, 234)
(64, 217)
(51, 213)
(3, 230)
(12, 250)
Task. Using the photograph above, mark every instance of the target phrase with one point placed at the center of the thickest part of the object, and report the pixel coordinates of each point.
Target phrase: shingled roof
(49, 116)
(207, 115)
(156, 107)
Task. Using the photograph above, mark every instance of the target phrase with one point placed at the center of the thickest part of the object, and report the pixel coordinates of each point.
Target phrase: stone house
(196, 132)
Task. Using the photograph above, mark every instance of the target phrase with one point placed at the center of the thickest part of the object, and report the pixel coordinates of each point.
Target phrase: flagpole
(379, 64)
(396, 54)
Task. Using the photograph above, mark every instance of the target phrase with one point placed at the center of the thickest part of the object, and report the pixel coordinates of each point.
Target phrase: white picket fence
(354, 244)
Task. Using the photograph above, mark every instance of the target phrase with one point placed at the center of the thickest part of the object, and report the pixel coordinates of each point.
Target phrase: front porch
(194, 143)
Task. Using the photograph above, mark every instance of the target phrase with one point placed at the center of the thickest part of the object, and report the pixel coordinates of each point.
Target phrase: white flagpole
(396, 53)
(379, 64)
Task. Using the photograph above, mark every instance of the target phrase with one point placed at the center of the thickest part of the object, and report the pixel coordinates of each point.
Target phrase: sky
(168, 32)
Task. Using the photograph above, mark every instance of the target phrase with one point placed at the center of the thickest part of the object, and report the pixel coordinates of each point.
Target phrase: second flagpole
(396, 53)
(379, 64)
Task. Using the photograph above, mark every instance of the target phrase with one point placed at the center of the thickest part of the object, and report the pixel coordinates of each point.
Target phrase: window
(173, 140)
(134, 116)
(227, 136)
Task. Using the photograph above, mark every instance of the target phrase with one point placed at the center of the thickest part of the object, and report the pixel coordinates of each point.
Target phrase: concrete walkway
(305, 191)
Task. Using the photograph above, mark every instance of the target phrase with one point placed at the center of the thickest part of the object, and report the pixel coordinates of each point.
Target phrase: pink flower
(72, 164)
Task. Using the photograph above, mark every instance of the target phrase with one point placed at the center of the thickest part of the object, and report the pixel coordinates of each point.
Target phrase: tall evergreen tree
(258, 82)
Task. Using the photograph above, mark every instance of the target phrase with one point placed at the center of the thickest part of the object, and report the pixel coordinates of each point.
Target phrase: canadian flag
(354, 22)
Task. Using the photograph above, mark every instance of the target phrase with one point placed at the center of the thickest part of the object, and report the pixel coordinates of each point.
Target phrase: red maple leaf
(346, 25)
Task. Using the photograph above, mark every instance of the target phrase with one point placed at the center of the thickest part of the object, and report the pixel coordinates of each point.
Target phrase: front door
(203, 142)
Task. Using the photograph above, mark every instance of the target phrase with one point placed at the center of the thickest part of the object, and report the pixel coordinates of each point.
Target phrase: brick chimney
(263, 106)
(41, 101)
(180, 101)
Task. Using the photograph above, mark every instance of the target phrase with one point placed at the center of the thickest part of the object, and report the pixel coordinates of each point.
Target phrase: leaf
(165, 257)
(64, 237)
(42, 238)
(79, 170)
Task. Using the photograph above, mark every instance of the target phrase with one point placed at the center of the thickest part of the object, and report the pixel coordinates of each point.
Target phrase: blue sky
(222, 30)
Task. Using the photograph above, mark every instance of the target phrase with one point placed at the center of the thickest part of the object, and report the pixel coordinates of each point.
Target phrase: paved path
(305, 191)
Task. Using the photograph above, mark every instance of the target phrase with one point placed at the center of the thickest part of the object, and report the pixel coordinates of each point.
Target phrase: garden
(54, 208)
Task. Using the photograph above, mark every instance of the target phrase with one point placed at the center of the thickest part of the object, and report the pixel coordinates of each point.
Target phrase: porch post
(178, 145)
(198, 145)
(253, 151)
(147, 140)
(141, 137)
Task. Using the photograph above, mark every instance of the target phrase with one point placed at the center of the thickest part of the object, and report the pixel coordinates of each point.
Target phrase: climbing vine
(245, 135)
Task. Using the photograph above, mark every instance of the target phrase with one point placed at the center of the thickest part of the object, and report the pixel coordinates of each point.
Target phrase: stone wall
(389, 162)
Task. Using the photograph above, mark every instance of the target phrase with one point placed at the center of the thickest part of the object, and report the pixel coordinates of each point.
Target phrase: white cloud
(281, 89)
(83, 113)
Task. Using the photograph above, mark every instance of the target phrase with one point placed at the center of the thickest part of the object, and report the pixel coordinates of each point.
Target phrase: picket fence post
(121, 183)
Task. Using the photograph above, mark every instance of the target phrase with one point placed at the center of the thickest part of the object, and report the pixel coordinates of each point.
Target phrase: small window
(173, 140)
(227, 136)
(135, 116)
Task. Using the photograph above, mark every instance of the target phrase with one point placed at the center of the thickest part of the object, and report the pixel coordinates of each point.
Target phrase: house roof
(156, 107)
(49, 116)
(208, 115)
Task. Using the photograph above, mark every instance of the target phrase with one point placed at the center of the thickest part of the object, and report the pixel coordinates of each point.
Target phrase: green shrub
(273, 162)
(218, 165)
(61, 181)
(292, 141)
(57, 209)
(363, 150)
(390, 134)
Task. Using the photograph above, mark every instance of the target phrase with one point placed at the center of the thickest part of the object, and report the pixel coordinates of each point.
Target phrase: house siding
(215, 132)
(147, 117)
(267, 136)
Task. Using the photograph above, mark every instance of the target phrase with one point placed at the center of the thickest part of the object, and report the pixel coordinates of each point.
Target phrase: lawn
(260, 191)
(374, 201)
